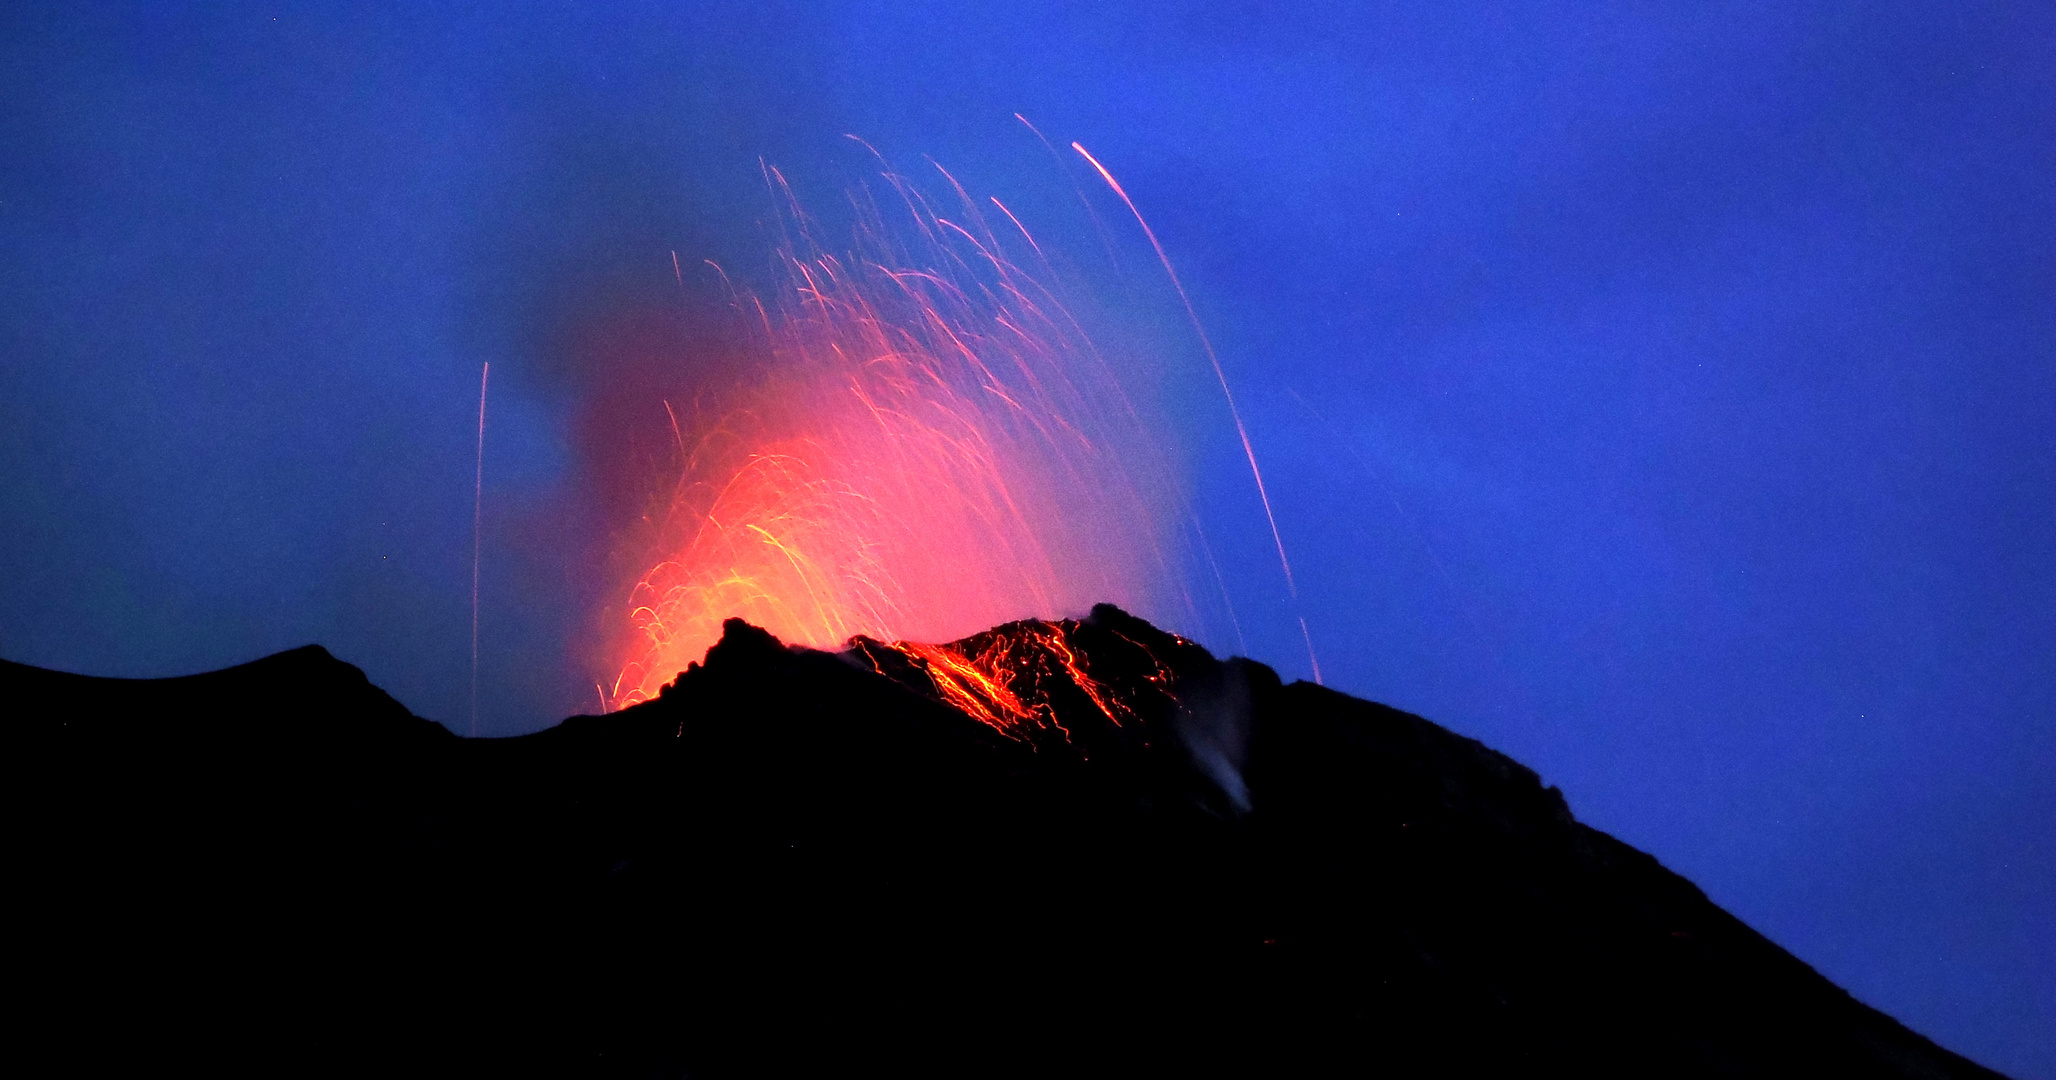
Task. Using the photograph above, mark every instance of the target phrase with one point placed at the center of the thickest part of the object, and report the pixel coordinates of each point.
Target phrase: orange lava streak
(975, 684)
(1005, 677)
(1109, 705)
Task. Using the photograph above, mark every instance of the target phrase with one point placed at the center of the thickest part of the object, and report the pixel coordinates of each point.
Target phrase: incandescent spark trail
(1207, 343)
(477, 503)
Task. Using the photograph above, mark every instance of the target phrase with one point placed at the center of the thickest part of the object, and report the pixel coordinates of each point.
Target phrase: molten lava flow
(934, 446)
(1022, 679)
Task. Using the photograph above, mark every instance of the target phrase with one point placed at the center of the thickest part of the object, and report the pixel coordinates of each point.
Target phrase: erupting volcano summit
(1080, 847)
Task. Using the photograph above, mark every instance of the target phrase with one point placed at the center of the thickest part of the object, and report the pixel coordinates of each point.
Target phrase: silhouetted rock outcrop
(1143, 861)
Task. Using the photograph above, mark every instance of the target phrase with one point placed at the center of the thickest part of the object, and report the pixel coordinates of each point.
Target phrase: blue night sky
(1663, 394)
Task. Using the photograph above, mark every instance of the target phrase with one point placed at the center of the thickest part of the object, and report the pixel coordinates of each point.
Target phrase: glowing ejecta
(1207, 344)
(933, 446)
(477, 504)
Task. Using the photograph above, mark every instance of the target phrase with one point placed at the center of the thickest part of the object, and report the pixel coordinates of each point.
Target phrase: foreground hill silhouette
(797, 862)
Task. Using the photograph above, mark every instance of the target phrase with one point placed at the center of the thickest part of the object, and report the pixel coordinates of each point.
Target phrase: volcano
(1083, 847)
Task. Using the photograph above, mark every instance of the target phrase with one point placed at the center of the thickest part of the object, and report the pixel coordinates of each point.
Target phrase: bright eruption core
(931, 446)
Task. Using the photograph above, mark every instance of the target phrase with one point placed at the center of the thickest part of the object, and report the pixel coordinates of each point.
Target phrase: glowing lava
(1012, 677)
(935, 446)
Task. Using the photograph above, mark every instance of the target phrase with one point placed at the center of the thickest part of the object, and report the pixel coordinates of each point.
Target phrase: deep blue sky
(1664, 395)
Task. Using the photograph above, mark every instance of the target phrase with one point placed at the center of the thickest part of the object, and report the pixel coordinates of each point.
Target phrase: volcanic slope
(1079, 848)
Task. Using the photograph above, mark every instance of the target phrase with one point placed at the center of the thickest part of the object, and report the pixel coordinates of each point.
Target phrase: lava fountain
(933, 445)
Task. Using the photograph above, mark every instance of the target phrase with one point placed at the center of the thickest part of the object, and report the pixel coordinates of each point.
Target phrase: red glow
(935, 447)
(1007, 677)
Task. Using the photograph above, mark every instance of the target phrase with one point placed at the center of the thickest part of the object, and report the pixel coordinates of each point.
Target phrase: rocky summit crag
(1148, 862)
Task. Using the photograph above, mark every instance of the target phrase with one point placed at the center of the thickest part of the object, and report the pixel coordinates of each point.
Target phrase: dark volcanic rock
(802, 862)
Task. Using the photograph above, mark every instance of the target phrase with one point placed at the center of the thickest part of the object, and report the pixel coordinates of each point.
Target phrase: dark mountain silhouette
(797, 862)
